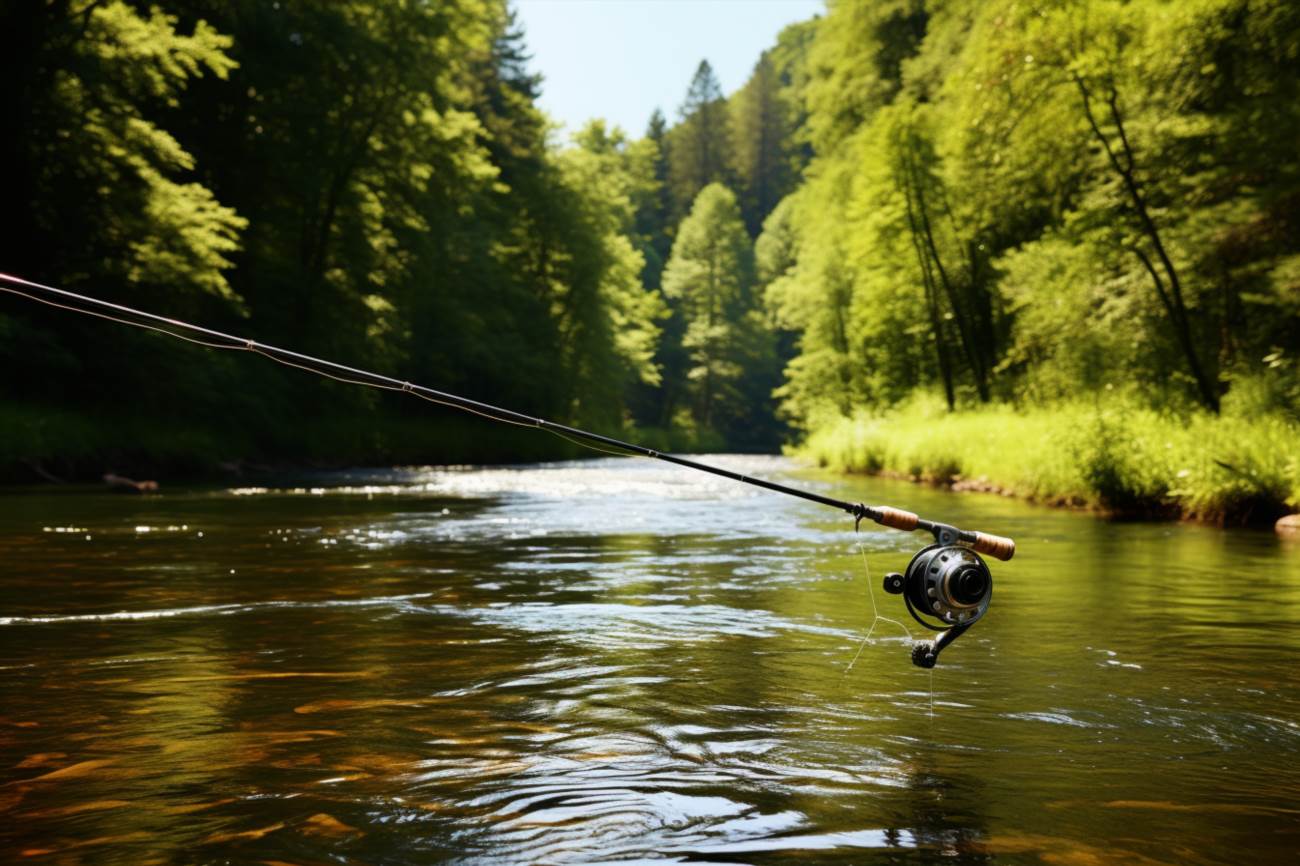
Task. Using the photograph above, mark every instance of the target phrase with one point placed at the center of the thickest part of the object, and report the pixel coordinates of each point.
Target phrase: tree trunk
(964, 329)
(931, 304)
(1171, 299)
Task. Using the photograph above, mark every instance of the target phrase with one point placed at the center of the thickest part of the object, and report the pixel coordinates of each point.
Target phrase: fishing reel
(947, 583)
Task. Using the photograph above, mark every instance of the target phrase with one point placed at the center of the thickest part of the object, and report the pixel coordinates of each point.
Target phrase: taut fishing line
(257, 349)
(947, 581)
(876, 619)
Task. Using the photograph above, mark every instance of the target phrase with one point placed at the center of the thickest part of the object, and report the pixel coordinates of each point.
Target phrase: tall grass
(1115, 456)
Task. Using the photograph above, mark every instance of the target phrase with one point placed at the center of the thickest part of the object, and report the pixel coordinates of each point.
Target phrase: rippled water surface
(620, 660)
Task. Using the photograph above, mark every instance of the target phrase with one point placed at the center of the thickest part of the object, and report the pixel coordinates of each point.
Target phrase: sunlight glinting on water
(618, 660)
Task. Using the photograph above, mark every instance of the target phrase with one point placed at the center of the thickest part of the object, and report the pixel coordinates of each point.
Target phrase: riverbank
(41, 444)
(1118, 458)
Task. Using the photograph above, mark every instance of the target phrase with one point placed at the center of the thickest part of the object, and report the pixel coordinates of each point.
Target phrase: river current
(620, 660)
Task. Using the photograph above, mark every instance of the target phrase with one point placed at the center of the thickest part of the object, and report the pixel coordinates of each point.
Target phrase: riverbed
(620, 660)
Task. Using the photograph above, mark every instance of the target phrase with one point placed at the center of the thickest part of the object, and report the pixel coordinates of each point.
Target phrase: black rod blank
(1002, 548)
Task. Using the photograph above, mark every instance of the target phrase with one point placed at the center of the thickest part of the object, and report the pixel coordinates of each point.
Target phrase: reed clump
(1117, 456)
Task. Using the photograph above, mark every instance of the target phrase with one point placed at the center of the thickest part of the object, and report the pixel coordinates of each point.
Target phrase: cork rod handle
(897, 518)
(995, 546)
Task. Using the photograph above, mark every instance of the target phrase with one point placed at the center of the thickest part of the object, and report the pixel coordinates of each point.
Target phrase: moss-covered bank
(1116, 457)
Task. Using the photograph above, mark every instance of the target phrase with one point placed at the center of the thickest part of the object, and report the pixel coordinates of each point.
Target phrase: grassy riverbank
(1116, 457)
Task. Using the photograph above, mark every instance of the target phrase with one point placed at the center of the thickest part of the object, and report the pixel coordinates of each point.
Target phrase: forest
(1047, 249)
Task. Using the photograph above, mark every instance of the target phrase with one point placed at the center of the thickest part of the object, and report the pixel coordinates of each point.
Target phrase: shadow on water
(612, 660)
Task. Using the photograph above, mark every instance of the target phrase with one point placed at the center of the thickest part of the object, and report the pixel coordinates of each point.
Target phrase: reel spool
(949, 583)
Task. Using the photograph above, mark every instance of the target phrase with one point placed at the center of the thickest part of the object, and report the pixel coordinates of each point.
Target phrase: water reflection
(621, 661)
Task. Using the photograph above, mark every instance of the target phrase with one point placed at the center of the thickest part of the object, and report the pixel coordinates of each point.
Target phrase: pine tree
(700, 145)
(761, 132)
(710, 278)
(654, 211)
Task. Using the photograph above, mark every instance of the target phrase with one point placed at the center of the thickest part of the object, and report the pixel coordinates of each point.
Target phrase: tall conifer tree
(761, 132)
(710, 280)
(654, 215)
(700, 148)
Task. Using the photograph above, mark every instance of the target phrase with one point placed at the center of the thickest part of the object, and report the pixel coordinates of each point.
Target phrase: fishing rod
(947, 580)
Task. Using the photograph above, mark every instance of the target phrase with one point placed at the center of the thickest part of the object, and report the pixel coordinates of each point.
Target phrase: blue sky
(619, 59)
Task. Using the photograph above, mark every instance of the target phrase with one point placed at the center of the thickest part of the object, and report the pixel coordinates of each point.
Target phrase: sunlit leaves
(709, 276)
(1045, 211)
(161, 228)
(619, 331)
(194, 248)
(148, 55)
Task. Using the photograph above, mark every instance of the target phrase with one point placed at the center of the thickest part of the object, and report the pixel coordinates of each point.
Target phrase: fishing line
(256, 349)
(49, 303)
(946, 581)
(407, 388)
(876, 618)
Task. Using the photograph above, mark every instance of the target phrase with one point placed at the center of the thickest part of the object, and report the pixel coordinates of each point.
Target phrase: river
(620, 660)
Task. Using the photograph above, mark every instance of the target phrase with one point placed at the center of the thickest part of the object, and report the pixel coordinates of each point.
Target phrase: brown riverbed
(618, 660)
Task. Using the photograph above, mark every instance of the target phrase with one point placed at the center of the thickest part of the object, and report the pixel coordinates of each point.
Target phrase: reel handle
(996, 546)
(925, 654)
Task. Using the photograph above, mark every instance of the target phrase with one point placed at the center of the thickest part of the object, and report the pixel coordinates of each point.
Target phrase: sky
(620, 59)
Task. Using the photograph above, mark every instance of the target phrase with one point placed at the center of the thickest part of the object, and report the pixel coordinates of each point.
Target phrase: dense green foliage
(1081, 204)
(1033, 202)
(368, 181)
(1074, 203)
(724, 335)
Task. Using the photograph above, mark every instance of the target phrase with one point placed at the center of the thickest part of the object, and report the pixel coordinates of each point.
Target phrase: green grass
(1117, 456)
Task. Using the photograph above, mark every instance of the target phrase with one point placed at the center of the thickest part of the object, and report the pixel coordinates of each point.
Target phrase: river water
(618, 660)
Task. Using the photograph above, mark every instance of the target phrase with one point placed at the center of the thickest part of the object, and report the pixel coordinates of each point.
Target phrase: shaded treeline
(985, 202)
(368, 181)
(371, 182)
